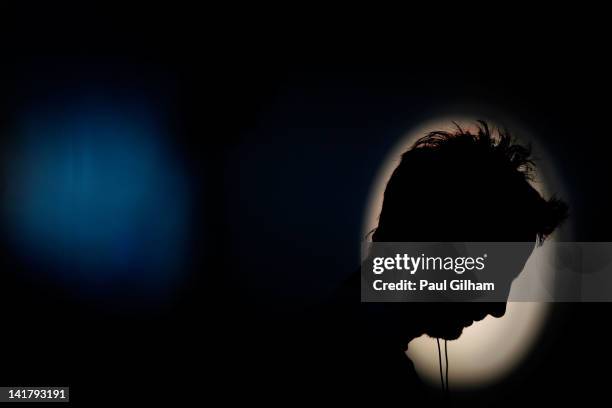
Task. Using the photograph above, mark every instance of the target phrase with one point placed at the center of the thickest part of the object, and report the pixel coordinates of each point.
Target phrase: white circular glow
(490, 349)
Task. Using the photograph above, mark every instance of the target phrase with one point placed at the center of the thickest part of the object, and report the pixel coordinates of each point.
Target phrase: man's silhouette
(457, 186)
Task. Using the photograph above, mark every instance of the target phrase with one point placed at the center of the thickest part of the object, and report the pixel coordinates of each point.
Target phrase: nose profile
(498, 309)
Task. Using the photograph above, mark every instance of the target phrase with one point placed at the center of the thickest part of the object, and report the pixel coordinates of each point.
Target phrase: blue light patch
(95, 197)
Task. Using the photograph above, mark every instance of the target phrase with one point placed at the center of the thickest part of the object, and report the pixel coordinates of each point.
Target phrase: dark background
(283, 124)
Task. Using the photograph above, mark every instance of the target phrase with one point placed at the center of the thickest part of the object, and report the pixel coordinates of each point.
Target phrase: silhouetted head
(465, 186)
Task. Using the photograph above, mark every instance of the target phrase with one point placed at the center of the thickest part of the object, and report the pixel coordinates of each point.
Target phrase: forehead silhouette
(465, 186)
